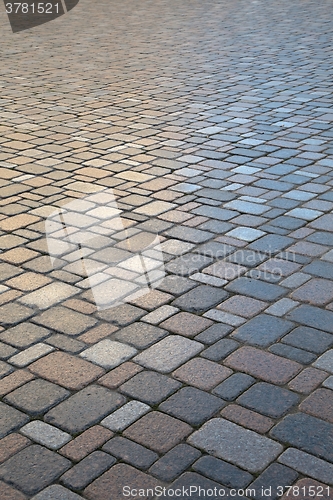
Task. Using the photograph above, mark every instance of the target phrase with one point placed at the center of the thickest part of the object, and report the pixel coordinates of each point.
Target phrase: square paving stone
(176, 285)
(14, 313)
(188, 264)
(237, 445)
(108, 353)
(316, 291)
(314, 317)
(158, 431)
(214, 333)
(271, 243)
(66, 370)
(37, 396)
(256, 289)
(306, 433)
(11, 419)
(140, 335)
(33, 468)
(221, 471)
(109, 486)
(65, 320)
(186, 324)
(173, 463)
(243, 306)
(320, 268)
(231, 388)
(24, 334)
(274, 476)
(325, 362)
(150, 387)
(200, 299)
(319, 404)
(263, 365)
(268, 399)
(220, 349)
(87, 470)
(202, 373)
(84, 408)
(169, 353)
(122, 315)
(130, 452)
(192, 405)
(310, 339)
(263, 330)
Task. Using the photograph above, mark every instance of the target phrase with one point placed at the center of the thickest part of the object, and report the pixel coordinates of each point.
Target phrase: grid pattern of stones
(220, 140)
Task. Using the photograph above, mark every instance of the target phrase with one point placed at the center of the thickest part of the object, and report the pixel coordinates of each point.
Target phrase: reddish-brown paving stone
(248, 418)
(263, 365)
(307, 380)
(86, 443)
(158, 431)
(9, 493)
(109, 486)
(319, 404)
(202, 373)
(119, 375)
(152, 300)
(66, 370)
(316, 291)
(243, 306)
(186, 324)
(98, 333)
(14, 380)
(11, 444)
(308, 489)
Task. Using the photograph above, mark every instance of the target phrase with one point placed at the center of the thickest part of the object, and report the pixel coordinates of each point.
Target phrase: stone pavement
(205, 127)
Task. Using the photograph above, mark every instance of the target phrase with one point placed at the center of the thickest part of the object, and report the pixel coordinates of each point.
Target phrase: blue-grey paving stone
(56, 492)
(192, 405)
(130, 452)
(248, 258)
(223, 472)
(87, 470)
(220, 349)
(270, 228)
(189, 234)
(6, 351)
(216, 194)
(320, 268)
(149, 387)
(200, 299)
(247, 207)
(313, 316)
(37, 396)
(231, 388)
(262, 330)
(214, 333)
(271, 243)
(293, 353)
(283, 203)
(84, 408)
(237, 445)
(274, 185)
(196, 481)
(310, 339)
(268, 399)
(140, 335)
(216, 226)
(215, 249)
(174, 462)
(308, 465)
(176, 285)
(33, 468)
(215, 213)
(275, 475)
(10, 419)
(263, 276)
(325, 361)
(323, 238)
(288, 222)
(188, 264)
(256, 289)
(307, 433)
